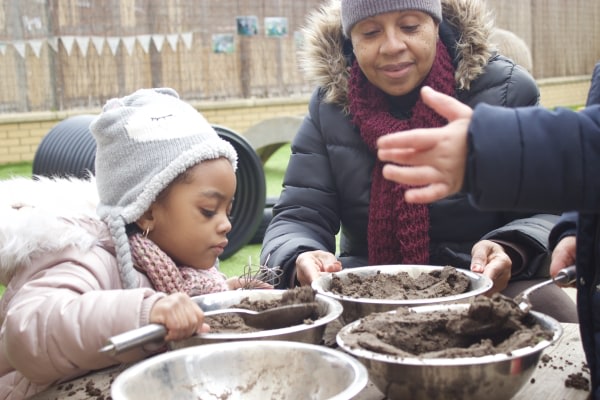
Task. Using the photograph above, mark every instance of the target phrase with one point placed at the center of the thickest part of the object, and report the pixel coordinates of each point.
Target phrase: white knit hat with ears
(143, 142)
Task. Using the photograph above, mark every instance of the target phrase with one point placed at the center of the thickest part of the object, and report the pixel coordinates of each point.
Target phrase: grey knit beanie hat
(357, 10)
(143, 142)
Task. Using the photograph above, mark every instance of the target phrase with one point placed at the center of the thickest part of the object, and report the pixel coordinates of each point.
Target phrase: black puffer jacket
(327, 183)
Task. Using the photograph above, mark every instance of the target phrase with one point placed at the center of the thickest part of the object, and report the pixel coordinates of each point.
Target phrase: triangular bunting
(20, 48)
(113, 44)
(53, 43)
(187, 39)
(36, 46)
(144, 41)
(83, 42)
(129, 43)
(68, 41)
(158, 40)
(172, 39)
(98, 42)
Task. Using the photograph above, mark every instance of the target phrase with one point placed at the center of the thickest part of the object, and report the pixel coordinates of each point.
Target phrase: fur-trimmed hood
(324, 63)
(46, 215)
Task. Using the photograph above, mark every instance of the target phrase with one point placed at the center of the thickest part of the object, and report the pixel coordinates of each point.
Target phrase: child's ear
(146, 221)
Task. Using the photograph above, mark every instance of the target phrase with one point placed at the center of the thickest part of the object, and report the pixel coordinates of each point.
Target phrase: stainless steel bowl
(329, 310)
(492, 377)
(355, 308)
(244, 370)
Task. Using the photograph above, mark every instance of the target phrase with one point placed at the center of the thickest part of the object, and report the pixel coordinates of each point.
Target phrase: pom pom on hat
(143, 142)
(354, 11)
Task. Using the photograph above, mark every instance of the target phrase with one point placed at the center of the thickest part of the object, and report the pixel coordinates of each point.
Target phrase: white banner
(83, 42)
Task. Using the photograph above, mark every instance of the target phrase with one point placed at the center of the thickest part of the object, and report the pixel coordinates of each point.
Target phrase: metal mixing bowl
(244, 370)
(492, 377)
(329, 310)
(355, 308)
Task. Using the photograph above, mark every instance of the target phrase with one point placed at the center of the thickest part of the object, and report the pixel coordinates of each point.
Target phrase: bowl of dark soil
(485, 349)
(247, 370)
(380, 288)
(307, 328)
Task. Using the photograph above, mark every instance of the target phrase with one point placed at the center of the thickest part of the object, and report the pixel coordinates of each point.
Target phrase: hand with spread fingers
(431, 159)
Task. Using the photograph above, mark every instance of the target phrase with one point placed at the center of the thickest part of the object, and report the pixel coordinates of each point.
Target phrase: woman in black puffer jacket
(369, 59)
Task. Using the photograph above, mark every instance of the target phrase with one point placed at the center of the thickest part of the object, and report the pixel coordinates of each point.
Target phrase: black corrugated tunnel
(69, 149)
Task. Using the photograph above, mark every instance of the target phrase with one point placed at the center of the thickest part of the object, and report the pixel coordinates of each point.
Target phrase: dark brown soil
(578, 380)
(401, 286)
(491, 325)
(231, 323)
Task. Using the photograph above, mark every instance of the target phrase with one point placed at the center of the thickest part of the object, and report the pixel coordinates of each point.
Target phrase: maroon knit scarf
(398, 232)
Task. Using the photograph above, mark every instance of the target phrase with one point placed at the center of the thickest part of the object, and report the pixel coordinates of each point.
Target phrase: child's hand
(180, 315)
(238, 283)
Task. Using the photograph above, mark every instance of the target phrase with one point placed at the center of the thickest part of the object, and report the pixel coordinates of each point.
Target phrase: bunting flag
(98, 42)
(83, 43)
(113, 44)
(36, 47)
(68, 41)
(20, 48)
(129, 43)
(158, 40)
(187, 40)
(144, 41)
(172, 40)
(53, 43)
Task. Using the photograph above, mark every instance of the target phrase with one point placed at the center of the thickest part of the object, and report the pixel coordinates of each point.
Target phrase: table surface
(547, 381)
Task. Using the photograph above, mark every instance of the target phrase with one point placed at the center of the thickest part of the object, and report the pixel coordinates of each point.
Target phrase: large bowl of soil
(365, 290)
(451, 351)
(309, 331)
(247, 370)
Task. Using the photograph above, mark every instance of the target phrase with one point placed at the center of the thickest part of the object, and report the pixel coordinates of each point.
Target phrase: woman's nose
(393, 41)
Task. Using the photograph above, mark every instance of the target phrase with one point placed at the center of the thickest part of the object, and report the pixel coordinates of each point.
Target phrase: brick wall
(20, 134)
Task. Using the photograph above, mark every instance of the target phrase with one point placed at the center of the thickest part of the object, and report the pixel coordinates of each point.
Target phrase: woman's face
(190, 221)
(395, 50)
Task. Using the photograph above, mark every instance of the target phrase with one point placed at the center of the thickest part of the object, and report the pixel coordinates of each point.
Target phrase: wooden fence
(69, 54)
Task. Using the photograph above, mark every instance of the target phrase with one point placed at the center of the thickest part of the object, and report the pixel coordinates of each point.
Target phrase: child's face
(191, 222)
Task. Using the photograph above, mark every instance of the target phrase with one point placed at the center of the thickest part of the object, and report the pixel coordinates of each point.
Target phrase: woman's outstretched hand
(433, 159)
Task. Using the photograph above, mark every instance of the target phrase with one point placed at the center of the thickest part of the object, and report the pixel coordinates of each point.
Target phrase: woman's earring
(146, 232)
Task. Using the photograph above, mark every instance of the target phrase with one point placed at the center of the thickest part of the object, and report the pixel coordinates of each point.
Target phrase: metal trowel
(273, 318)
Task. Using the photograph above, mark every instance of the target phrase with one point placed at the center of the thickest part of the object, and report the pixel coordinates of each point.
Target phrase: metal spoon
(565, 277)
(273, 318)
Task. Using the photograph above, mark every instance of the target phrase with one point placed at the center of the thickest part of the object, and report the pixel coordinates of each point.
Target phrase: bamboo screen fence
(63, 54)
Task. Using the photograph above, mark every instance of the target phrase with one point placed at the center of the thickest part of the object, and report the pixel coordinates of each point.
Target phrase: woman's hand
(491, 260)
(563, 255)
(180, 315)
(311, 264)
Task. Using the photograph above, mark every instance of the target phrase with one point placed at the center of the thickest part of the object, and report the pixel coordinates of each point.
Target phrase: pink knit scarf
(168, 277)
(398, 232)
